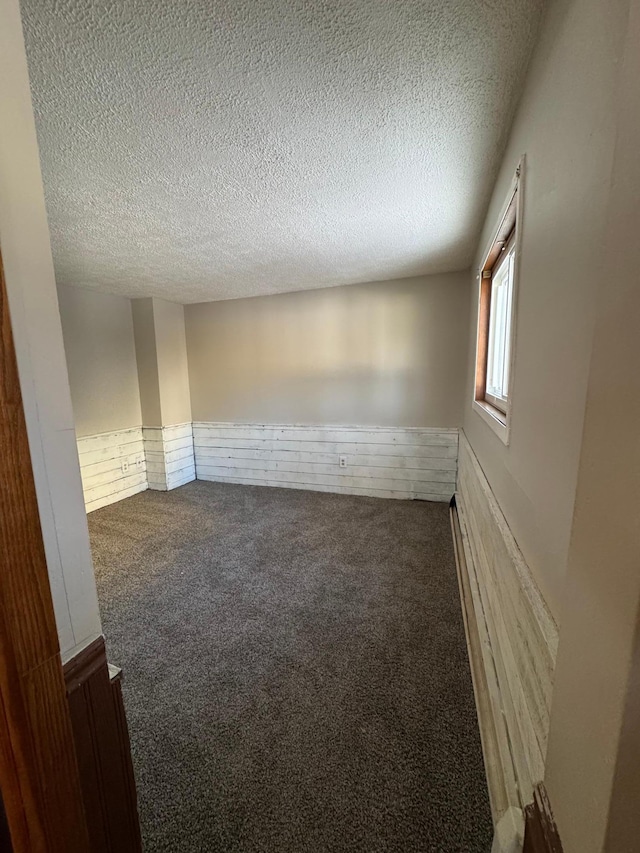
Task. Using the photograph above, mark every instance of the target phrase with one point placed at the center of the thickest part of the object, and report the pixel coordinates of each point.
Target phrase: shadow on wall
(386, 354)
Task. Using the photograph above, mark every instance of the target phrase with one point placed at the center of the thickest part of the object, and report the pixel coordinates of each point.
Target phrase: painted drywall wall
(147, 360)
(161, 350)
(173, 371)
(101, 360)
(594, 746)
(565, 125)
(24, 242)
(381, 354)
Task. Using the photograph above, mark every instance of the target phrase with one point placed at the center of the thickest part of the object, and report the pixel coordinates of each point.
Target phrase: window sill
(494, 418)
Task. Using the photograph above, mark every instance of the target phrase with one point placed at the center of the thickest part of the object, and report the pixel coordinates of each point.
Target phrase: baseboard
(112, 465)
(103, 751)
(512, 642)
(379, 461)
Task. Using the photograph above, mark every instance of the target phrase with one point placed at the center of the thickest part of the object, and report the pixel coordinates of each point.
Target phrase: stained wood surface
(5, 838)
(383, 462)
(518, 637)
(482, 346)
(38, 770)
(541, 833)
(104, 756)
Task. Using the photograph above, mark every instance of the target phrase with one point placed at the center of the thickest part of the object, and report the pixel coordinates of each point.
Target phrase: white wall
(101, 359)
(593, 764)
(381, 354)
(173, 369)
(163, 372)
(568, 483)
(565, 125)
(24, 242)
(161, 351)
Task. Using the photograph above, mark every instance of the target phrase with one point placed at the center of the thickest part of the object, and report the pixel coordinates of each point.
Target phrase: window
(499, 345)
(496, 320)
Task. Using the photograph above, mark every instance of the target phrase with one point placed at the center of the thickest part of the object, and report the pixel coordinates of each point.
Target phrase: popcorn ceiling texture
(211, 150)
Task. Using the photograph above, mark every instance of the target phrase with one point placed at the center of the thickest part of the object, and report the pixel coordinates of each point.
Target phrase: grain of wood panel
(501, 780)
(321, 457)
(106, 440)
(362, 478)
(38, 771)
(482, 346)
(171, 431)
(5, 838)
(354, 469)
(428, 451)
(336, 490)
(119, 496)
(169, 452)
(101, 457)
(381, 462)
(520, 636)
(541, 833)
(374, 435)
(102, 745)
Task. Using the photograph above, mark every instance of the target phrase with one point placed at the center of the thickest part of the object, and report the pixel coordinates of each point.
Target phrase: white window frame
(494, 411)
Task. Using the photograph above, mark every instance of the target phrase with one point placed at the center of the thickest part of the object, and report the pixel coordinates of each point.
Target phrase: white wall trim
(381, 461)
(493, 420)
(512, 638)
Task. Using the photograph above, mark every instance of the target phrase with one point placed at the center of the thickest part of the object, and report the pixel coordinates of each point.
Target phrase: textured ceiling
(204, 149)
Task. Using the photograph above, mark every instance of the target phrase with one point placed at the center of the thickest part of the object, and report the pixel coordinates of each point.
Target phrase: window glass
(498, 352)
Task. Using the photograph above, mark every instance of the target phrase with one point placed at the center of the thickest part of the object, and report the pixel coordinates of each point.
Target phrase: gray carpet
(296, 678)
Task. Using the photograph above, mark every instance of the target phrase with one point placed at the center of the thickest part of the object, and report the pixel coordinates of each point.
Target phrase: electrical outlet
(125, 466)
(343, 461)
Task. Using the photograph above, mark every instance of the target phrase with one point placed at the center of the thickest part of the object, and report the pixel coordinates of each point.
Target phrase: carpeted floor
(296, 678)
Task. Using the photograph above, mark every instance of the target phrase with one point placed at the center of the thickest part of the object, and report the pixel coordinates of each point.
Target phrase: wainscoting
(169, 454)
(116, 465)
(389, 463)
(112, 466)
(512, 643)
(103, 751)
(377, 461)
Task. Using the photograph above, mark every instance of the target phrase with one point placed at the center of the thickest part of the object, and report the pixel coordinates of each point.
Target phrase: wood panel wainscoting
(103, 752)
(116, 465)
(169, 454)
(112, 465)
(378, 461)
(512, 640)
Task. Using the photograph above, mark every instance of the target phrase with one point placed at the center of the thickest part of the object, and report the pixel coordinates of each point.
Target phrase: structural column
(161, 353)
